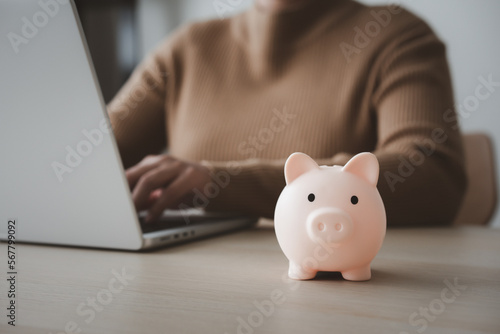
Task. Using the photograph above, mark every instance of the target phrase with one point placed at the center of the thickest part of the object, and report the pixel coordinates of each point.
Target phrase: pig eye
(311, 197)
(354, 200)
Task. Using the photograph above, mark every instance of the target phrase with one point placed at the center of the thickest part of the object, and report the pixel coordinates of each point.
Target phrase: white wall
(470, 28)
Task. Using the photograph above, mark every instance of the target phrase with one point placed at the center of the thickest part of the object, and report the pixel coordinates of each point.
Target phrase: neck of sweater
(267, 37)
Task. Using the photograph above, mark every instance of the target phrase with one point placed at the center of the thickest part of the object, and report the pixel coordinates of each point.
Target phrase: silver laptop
(61, 177)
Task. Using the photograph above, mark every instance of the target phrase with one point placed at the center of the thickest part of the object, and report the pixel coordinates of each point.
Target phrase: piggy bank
(330, 218)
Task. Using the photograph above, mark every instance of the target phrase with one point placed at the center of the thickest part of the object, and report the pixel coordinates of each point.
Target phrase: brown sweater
(331, 80)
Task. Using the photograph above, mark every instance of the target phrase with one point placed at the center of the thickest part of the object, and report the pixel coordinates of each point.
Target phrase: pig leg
(298, 272)
(358, 274)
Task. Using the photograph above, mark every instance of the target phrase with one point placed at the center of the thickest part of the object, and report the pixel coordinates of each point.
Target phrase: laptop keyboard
(168, 223)
(175, 218)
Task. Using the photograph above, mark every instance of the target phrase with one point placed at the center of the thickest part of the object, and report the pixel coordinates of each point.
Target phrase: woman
(232, 99)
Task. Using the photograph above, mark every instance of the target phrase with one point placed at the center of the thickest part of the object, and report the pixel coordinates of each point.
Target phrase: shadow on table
(394, 278)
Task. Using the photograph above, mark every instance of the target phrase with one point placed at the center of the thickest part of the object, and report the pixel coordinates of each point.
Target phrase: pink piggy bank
(330, 218)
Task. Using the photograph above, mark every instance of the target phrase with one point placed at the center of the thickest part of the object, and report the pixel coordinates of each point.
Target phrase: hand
(162, 182)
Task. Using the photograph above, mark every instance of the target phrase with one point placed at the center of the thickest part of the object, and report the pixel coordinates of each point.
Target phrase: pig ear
(364, 165)
(298, 164)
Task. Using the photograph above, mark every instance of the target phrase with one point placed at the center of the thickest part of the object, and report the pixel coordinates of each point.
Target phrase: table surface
(433, 280)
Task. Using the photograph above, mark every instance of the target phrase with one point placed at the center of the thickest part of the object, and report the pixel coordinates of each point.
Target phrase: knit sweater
(332, 79)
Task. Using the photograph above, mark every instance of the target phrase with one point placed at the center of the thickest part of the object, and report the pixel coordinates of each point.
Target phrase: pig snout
(330, 225)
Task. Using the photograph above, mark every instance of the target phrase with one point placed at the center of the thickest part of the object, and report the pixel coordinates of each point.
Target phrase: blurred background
(121, 32)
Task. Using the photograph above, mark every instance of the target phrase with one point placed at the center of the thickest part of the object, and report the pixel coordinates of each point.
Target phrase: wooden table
(424, 281)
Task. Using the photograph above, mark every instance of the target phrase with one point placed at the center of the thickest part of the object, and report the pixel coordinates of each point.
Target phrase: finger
(134, 173)
(153, 197)
(152, 180)
(174, 193)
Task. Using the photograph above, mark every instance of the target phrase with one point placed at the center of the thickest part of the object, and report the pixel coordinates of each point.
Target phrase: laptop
(61, 177)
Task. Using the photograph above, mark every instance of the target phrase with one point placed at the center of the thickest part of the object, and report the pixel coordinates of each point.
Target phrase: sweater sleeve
(137, 112)
(419, 147)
